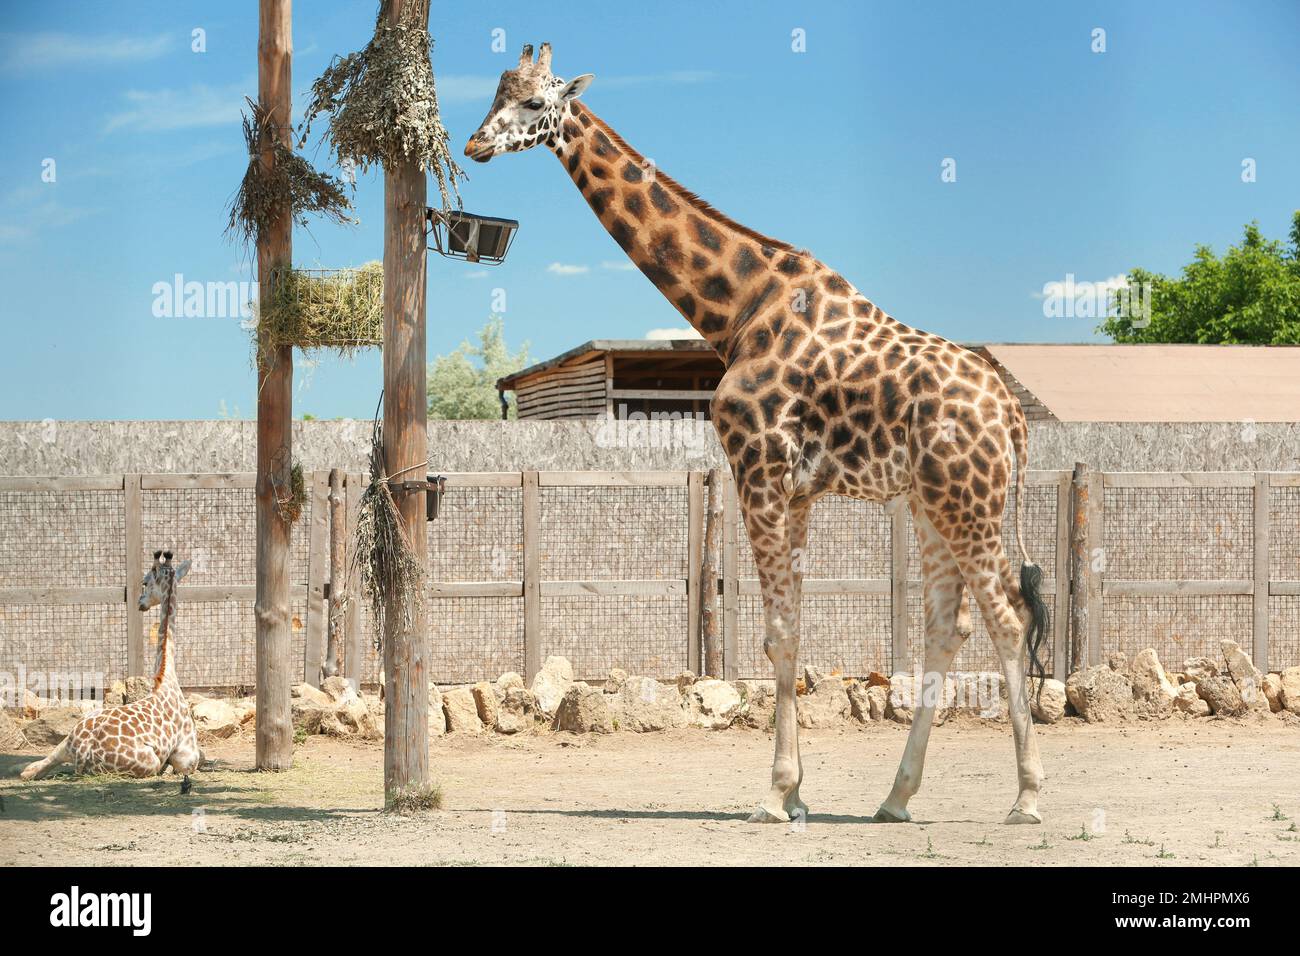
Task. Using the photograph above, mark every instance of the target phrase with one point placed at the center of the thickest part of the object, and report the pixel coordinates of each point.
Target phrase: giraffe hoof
(762, 814)
(185, 786)
(886, 815)
(1018, 816)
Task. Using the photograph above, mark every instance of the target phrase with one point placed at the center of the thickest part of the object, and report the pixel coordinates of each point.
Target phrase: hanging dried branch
(388, 569)
(291, 182)
(383, 105)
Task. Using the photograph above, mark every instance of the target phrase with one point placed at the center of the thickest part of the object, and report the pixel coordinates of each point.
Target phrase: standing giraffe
(823, 394)
(143, 737)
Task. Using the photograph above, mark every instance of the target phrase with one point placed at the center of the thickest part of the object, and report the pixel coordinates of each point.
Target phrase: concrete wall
(84, 448)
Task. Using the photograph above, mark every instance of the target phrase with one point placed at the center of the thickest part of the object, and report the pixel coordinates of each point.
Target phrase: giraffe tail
(61, 755)
(1031, 575)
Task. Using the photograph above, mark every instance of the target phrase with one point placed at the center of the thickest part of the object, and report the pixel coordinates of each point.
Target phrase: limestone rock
(878, 699)
(1118, 661)
(642, 704)
(905, 692)
(1153, 692)
(437, 715)
(584, 709)
(550, 685)
(1271, 685)
(684, 680)
(138, 688)
(825, 705)
(859, 702)
(339, 690)
(980, 694)
(712, 704)
(485, 700)
(1240, 666)
(52, 726)
(1100, 694)
(307, 716)
(1189, 701)
(508, 681)
(759, 702)
(1047, 706)
(310, 695)
(615, 680)
(1196, 668)
(115, 694)
(215, 717)
(11, 735)
(1222, 695)
(1288, 694)
(517, 711)
(462, 711)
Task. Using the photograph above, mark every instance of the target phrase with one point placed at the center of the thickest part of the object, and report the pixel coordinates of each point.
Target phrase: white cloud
(564, 269)
(686, 333)
(49, 50)
(168, 109)
(465, 88)
(623, 265)
(477, 274)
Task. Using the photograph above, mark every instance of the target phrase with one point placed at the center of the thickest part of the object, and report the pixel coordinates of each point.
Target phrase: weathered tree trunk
(406, 691)
(274, 415)
(1080, 570)
(710, 632)
(338, 574)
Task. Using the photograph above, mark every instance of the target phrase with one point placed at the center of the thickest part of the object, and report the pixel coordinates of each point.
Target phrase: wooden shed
(617, 377)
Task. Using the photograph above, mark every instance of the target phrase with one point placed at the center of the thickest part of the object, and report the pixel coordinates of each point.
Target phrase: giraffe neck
(715, 272)
(166, 670)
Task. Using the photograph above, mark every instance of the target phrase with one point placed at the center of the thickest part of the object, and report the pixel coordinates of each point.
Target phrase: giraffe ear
(575, 87)
(182, 569)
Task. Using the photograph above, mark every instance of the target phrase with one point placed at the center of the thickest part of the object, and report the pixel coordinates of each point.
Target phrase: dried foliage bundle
(291, 505)
(291, 183)
(383, 104)
(388, 569)
(339, 309)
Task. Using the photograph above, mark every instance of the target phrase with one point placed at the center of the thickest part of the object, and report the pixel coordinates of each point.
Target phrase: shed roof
(1159, 383)
(601, 346)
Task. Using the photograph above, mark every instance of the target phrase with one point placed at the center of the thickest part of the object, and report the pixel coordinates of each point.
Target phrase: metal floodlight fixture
(474, 238)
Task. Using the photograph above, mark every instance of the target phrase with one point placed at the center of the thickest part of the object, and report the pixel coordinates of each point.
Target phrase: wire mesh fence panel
(45, 639)
(478, 536)
(61, 539)
(1177, 627)
(1179, 533)
(1283, 631)
(612, 533)
(1039, 520)
(641, 634)
(1284, 534)
(216, 529)
(216, 643)
(844, 632)
(475, 638)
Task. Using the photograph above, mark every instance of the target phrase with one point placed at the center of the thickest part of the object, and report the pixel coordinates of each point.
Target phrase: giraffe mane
(692, 199)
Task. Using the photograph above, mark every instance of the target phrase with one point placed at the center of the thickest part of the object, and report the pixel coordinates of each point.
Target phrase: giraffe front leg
(775, 533)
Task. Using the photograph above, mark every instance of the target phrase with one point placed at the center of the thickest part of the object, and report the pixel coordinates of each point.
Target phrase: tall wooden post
(274, 416)
(338, 574)
(711, 632)
(1080, 568)
(406, 691)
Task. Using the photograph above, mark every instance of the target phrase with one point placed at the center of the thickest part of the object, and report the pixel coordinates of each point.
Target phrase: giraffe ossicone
(823, 394)
(144, 737)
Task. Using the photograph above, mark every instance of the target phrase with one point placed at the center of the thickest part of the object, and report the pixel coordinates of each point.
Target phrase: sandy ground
(1209, 793)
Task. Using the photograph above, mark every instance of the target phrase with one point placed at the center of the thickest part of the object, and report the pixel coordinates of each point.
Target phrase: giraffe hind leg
(41, 768)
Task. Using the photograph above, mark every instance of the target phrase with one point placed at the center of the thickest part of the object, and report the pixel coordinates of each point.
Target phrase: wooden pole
(709, 623)
(274, 415)
(354, 656)
(406, 690)
(1080, 568)
(338, 574)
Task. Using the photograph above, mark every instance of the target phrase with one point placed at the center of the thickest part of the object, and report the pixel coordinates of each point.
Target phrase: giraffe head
(527, 109)
(162, 575)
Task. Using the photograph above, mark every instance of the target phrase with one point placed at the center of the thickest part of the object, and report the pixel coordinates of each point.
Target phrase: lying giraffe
(147, 735)
(823, 394)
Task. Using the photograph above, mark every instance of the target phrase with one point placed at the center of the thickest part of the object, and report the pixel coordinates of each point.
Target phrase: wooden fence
(605, 568)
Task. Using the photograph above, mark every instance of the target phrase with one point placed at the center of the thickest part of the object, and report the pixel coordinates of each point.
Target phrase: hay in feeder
(383, 103)
(291, 183)
(339, 309)
(388, 569)
(290, 505)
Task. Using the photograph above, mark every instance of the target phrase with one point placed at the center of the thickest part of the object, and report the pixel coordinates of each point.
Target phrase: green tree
(1250, 295)
(463, 384)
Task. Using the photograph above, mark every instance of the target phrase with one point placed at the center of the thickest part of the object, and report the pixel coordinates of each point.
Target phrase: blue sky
(1068, 162)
